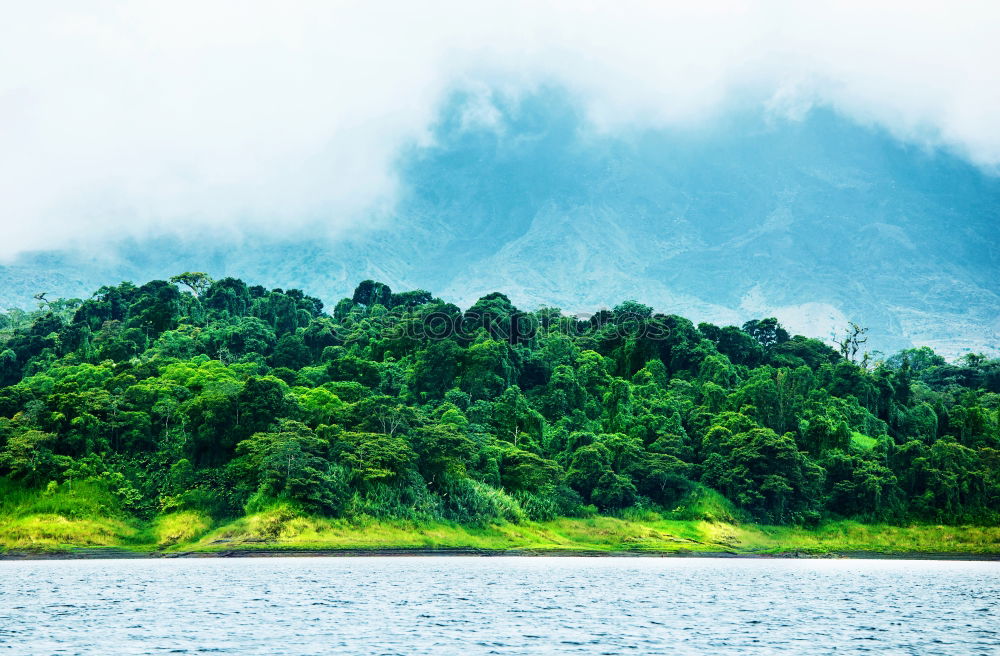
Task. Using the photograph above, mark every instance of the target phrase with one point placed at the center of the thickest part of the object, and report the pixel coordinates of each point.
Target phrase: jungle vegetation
(224, 398)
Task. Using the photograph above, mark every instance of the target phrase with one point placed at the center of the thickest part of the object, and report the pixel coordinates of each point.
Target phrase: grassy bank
(64, 518)
(600, 534)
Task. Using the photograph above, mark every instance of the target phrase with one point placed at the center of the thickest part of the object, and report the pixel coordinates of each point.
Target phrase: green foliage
(291, 463)
(218, 398)
(765, 473)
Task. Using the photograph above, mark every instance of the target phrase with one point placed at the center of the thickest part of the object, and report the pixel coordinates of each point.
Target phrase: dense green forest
(224, 398)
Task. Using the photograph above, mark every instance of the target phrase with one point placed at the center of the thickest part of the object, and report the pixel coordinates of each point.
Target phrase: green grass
(704, 503)
(850, 536)
(60, 517)
(71, 499)
(82, 515)
(278, 528)
(862, 442)
(57, 533)
(179, 527)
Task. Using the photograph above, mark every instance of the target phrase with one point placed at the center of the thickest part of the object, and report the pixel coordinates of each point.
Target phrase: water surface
(472, 606)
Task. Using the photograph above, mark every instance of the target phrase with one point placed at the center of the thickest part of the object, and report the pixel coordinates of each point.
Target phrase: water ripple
(473, 606)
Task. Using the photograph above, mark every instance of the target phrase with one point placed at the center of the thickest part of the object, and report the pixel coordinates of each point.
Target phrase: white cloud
(124, 118)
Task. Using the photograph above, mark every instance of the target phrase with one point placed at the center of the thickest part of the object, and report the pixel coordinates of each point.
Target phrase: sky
(126, 119)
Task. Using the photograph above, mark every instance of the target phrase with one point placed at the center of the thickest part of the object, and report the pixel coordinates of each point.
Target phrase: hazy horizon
(140, 139)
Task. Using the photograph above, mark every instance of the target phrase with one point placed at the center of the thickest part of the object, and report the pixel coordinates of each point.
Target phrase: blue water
(471, 606)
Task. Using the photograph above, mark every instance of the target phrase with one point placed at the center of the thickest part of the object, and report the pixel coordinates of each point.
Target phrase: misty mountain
(817, 221)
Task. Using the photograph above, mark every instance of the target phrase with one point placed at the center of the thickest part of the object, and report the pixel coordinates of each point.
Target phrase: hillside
(226, 399)
(817, 221)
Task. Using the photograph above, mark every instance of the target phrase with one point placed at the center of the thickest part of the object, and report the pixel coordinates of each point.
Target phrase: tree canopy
(218, 395)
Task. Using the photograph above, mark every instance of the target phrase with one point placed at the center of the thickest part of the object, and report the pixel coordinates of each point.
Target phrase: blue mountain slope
(816, 221)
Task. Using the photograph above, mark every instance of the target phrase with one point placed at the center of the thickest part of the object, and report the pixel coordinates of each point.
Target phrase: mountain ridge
(817, 221)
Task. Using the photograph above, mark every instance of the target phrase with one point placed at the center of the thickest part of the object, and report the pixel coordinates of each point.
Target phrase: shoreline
(112, 553)
(276, 533)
